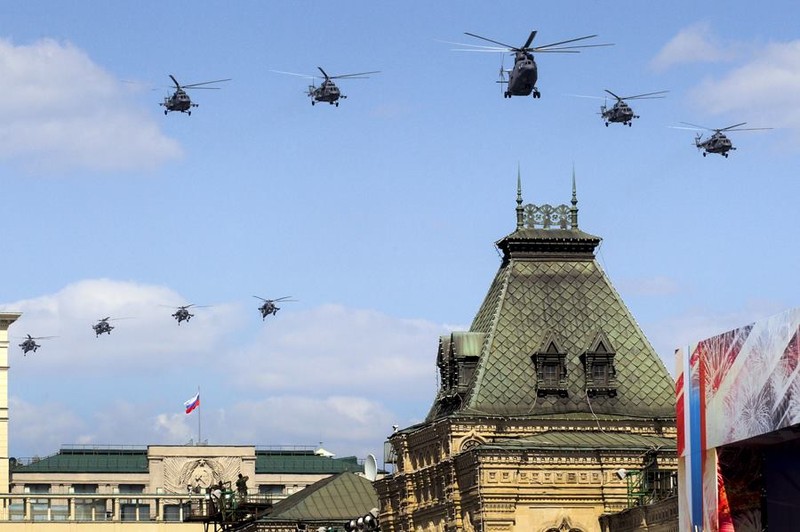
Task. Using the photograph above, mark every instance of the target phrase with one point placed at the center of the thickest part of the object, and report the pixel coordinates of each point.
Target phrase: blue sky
(377, 216)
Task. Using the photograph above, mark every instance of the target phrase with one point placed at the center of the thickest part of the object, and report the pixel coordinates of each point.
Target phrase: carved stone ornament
(564, 526)
(546, 216)
(469, 444)
(182, 475)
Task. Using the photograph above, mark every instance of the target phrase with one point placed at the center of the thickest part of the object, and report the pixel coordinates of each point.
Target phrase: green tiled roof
(337, 498)
(303, 462)
(89, 460)
(128, 460)
(549, 286)
(560, 440)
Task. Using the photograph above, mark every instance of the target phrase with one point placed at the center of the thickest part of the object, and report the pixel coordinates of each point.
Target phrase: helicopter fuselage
(716, 143)
(522, 78)
(29, 345)
(179, 101)
(620, 112)
(102, 327)
(327, 92)
(182, 315)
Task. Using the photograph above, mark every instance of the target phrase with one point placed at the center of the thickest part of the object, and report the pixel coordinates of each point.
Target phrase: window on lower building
(271, 491)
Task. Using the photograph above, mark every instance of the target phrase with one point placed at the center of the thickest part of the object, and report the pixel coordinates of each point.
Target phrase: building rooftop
(550, 298)
(99, 459)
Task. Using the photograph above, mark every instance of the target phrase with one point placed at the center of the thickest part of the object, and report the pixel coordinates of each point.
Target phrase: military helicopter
(269, 307)
(328, 91)
(621, 112)
(718, 142)
(29, 344)
(523, 76)
(183, 314)
(102, 326)
(180, 101)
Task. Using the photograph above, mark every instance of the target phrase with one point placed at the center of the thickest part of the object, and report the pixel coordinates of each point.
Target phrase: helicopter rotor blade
(586, 96)
(749, 129)
(730, 127)
(478, 46)
(687, 128)
(698, 127)
(507, 46)
(323, 72)
(177, 85)
(294, 74)
(529, 41)
(197, 85)
(614, 95)
(538, 48)
(645, 96)
(568, 49)
(355, 76)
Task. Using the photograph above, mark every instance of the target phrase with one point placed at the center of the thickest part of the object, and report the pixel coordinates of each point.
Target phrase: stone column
(6, 319)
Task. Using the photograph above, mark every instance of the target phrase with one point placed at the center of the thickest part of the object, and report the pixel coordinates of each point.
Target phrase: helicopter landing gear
(704, 154)
(189, 113)
(630, 124)
(337, 104)
(165, 112)
(506, 94)
(537, 94)
(725, 155)
(606, 124)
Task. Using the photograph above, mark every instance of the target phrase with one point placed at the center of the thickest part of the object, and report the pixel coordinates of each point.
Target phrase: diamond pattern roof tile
(538, 291)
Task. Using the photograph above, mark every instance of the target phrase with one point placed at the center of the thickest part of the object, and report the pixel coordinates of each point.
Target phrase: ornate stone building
(547, 407)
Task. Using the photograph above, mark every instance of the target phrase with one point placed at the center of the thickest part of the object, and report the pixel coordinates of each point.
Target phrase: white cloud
(695, 44)
(328, 374)
(61, 111)
(701, 323)
(335, 347)
(144, 331)
(762, 91)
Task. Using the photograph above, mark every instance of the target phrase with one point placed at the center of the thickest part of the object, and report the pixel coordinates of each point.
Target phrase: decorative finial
(519, 199)
(573, 211)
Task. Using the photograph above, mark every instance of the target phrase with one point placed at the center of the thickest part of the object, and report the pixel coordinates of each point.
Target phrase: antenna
(371, 468)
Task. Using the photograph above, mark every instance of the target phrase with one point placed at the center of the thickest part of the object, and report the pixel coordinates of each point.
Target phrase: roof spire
(573, 211)
(519, 199)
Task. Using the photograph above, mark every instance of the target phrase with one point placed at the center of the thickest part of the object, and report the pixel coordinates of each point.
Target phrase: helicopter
(29, 344)
(102, 326)
(269, 307)
(523, 76)
(182, 313)
(180, 101)
(621, 112)
(328, 91)
(718, 142)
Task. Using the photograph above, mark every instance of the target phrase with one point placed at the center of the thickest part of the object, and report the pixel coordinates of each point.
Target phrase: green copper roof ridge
(635, 322)
(486, 350)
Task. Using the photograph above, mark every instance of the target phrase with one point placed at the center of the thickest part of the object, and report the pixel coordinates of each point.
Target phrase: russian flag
(192, 403)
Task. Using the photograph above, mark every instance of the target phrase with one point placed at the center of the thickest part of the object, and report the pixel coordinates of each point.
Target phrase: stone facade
(547, 406)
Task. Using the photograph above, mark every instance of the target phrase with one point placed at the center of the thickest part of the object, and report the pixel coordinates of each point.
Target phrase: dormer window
(551, 369)
(598, 366)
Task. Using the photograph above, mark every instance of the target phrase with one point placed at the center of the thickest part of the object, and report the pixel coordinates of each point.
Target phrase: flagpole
(199, 410)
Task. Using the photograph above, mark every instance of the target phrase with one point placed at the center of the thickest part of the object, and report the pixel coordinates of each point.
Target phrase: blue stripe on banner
(695, 449)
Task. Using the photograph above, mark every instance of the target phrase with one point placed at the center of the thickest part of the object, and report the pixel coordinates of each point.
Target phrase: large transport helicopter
(523, 76)
(328, 91)
(180, 101)
(718, 142)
